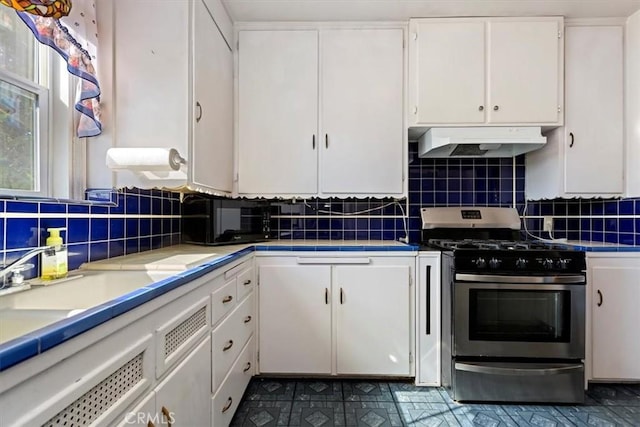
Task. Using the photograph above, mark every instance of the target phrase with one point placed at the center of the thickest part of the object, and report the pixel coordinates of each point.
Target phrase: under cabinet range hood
(480, 141)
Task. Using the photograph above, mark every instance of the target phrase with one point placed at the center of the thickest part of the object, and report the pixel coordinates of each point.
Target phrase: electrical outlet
(548, 223)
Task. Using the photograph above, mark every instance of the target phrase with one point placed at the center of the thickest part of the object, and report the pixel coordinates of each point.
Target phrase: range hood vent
(480, 141)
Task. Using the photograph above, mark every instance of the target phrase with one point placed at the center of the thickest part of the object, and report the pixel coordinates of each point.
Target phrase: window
(24, 109)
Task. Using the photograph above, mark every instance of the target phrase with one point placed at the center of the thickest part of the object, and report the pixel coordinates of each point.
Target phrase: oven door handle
(493, 278)
(496, 370)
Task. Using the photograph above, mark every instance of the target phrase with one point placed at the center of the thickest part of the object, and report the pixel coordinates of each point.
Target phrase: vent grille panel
(91, 405)
(185, 330)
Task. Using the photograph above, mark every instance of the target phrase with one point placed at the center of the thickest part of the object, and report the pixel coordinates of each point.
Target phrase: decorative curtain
(73, 33)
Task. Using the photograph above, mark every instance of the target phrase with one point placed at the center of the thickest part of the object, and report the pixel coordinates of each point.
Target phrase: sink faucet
(15, 266)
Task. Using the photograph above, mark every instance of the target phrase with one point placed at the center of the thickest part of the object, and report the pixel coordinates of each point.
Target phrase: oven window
(519, 315)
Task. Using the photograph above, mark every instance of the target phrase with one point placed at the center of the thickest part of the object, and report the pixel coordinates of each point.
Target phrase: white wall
(632, 103)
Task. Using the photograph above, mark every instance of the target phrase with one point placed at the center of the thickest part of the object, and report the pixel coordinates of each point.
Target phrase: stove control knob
(521, 263)
(563, 264)
(547, 263)
(480, 262)
(494, 263)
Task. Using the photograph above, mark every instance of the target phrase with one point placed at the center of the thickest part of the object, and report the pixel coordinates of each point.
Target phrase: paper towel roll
(144, 159)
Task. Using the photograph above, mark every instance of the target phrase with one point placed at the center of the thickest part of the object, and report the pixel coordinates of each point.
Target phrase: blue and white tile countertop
(189, 263)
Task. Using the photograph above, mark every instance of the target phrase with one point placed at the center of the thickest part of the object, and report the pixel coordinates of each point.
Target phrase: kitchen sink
(26, 311)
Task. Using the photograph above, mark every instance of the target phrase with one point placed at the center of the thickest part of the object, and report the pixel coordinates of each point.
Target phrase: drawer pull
(247, 368)
(228, 405)
(247, 282)
(167, 414)
(227, 299)
(247, 319)
(228, 346)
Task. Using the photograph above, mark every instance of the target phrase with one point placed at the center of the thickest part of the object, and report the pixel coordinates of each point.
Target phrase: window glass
(23, 110)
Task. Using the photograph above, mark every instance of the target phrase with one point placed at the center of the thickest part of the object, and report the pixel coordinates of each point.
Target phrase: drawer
(226, 400)
(229, 338)
(246, 283)
(223, 301)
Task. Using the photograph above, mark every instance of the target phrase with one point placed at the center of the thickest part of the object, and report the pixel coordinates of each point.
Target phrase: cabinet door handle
(326, 140)
(481, 108)
(247, 367)
(167, 414)
(496, 108)
(428, 301)
(247, 319)
(228, 405)
(571, 139)
(313, 142)
(227, 299)
(228, 346)
(326, 295)
(199, 112)
(600, 296)
(341, 296)
(247, 282)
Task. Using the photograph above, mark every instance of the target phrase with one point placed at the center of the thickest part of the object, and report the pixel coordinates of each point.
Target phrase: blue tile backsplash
(134, 221)
(432, 182)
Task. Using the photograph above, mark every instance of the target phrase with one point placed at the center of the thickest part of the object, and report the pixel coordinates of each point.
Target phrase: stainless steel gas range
(513, 312)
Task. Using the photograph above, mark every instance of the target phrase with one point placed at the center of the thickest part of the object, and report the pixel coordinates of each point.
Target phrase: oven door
(506, 316)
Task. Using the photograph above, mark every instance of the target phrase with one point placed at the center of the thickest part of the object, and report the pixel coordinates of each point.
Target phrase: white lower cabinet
(183, 397)
(614, 294)
(295, 318)
(428, 308)
(150, 366)
(335, 315)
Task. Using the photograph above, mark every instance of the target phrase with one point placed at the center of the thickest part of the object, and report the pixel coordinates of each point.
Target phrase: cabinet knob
(227, 299)
(496, 108)
(228, 346)
(481, 108)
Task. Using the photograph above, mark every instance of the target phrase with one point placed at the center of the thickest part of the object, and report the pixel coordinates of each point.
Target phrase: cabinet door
(428, 320)
(614, 323)
(278, 112)
(373, 318)
(212, 142)
(362, 111)
(524, 71)
(447, 72)
(295, 319)
(185, 395)
(594, 100)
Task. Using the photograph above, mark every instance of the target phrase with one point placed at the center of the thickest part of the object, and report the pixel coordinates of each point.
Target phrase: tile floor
(323, 403)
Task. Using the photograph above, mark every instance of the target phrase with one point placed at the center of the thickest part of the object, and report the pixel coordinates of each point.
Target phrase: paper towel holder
(175, 159)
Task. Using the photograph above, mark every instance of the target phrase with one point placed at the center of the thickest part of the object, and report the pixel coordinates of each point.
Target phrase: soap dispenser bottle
(54, 262)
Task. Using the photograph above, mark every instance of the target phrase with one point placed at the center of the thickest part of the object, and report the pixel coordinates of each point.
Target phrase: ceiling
(401, 10)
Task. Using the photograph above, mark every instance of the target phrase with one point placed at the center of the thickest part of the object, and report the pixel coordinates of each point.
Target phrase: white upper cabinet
(361, 114)
(486, 71)
(278, 112)
(174, 89)
(316, 105)
(592, 138)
